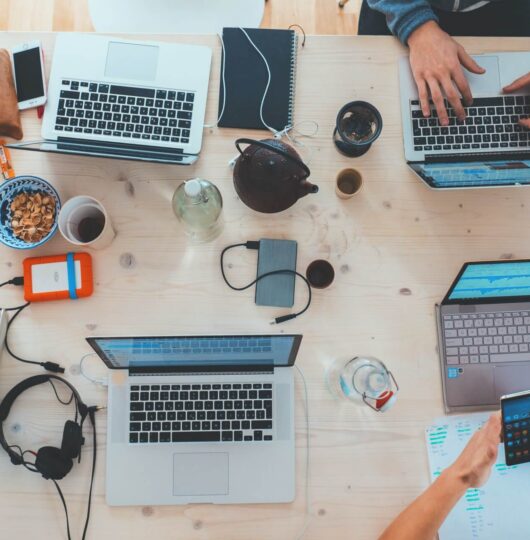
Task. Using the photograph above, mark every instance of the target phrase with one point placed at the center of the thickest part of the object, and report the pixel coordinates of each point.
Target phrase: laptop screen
(491, 281)
(197, 351)
(474, 173)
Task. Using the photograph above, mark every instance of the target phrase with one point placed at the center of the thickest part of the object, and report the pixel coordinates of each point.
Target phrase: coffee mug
(320, 274)
(348, 183)
(83, 221)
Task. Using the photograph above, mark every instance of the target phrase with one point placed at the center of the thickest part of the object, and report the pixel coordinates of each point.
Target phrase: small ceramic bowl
(8, 191)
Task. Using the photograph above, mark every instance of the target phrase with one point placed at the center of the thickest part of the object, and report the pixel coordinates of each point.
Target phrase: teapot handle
(279, 151)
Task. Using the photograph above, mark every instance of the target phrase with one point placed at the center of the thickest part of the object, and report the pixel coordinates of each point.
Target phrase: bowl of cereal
(29, 207)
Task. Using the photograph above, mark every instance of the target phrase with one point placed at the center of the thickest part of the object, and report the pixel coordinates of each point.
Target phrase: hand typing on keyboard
(436, 60)
(522, 83)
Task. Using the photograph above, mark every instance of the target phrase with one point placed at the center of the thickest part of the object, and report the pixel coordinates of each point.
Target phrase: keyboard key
(133, 437)
(196, 436)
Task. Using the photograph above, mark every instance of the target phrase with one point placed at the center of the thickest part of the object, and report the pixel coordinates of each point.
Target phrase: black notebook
(246, 78)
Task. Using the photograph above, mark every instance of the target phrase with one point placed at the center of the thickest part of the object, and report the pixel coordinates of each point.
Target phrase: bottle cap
(192, 188)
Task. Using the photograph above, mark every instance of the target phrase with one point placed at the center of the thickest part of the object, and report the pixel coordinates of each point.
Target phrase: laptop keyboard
(125, 112)
(487, 337)
(200, 413)
(490, 123)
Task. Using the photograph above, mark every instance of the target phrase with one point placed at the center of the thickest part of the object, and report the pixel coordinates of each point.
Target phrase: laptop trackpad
(488, 84)
(509, 379)
(200, 474)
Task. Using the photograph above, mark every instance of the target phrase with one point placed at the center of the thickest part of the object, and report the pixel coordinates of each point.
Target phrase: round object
(11, 189)
(349, 182)
(269, 175)
(320, 274)
(83, 221)
(358, 125)
(192, 188)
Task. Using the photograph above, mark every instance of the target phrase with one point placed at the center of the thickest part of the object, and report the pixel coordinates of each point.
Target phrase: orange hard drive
(58, 277)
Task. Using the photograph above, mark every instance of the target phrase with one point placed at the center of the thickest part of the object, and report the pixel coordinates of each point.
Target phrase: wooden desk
(395, 248)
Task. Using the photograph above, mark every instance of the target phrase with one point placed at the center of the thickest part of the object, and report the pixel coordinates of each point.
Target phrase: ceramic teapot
(269, 175)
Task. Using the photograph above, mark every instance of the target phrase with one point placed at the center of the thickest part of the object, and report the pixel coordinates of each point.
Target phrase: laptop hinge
(116, 145)
(202, 370)
(491, 156)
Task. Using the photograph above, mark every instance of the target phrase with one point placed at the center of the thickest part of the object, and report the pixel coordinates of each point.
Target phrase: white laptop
(490, 149)
(114, 97)
(200, 419)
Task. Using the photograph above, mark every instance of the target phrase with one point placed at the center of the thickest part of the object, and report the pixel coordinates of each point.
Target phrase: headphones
(52, 462)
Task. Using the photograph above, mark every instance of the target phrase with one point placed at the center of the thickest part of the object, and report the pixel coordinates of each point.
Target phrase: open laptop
(114, 97)
(490, 149)
(484, 334)
(200, 419)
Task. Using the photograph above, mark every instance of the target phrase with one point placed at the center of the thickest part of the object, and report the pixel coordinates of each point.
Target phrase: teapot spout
(307, 187)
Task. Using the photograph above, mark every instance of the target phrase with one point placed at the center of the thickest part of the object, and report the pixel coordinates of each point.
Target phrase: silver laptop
(484, 334)
(114, 97)
(206, 419)
(490, 149)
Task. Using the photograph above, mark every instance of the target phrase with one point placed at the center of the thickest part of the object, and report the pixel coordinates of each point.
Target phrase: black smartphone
(516, 427)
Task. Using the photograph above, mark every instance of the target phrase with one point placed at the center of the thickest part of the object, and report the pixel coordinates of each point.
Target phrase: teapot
(270, 176)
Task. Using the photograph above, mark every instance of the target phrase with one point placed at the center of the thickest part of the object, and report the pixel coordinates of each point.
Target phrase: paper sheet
(497, 511)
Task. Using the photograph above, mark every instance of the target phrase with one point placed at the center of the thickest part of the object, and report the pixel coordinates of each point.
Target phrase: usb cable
(48, 366)
(254, 244)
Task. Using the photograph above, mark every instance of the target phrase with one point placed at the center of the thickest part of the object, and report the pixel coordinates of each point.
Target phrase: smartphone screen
(28, 74)
(516, 427)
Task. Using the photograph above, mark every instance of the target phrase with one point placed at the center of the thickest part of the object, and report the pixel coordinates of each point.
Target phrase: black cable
(49, 366)
(91, 415)
(60, 400)
(255, 245)
(65, 509)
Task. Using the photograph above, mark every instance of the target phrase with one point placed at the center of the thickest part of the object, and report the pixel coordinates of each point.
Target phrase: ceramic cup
(348, 183)
(320, 274)
(83, 221)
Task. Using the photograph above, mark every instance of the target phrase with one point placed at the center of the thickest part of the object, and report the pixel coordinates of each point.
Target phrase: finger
(468, 62)
(463, 86)
(438, 100)
(518, 84)
(454, 99)
(525, 122)
(424, 97)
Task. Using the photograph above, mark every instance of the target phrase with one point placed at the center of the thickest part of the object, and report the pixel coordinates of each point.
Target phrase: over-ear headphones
(52, 462)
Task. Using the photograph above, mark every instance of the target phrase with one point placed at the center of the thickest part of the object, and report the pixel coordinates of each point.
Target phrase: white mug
(86, 210)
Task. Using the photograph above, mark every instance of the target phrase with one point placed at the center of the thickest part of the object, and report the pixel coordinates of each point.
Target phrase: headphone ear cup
(52, 463)
(72, 439)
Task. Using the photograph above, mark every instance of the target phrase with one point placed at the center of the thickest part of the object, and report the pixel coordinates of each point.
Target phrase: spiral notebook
(245, 78)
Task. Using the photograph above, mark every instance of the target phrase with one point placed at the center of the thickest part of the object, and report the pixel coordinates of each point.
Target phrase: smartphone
(28, 69)
(516, 427)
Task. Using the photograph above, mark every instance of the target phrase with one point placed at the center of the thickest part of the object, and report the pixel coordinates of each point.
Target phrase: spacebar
(195, 436)
(515, 357)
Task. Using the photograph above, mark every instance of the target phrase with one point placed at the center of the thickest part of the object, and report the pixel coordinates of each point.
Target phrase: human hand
(473, 466)
(519, 84)
(436, 60)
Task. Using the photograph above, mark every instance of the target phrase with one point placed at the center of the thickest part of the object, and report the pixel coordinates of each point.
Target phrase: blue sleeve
(404, 16)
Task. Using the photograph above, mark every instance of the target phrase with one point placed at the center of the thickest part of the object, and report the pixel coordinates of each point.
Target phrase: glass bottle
(198, 204)
(363, 379)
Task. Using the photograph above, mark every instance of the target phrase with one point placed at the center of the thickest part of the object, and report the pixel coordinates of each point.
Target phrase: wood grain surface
(316, 16)
(395, 247)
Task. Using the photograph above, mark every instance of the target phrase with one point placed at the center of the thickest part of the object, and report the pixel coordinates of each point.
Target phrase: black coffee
(90, 228)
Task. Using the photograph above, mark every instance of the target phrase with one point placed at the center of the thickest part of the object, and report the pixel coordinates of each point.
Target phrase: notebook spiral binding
(292, 87)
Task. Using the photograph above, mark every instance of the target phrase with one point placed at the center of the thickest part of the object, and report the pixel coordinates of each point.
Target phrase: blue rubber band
(70, 265)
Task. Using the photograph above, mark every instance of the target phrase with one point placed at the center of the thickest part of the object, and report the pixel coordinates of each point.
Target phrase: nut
(33, 216)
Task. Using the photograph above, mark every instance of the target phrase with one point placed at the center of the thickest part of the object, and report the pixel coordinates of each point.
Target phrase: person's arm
(402, 17)
(422, 519)
(522, 83)
(436, 60)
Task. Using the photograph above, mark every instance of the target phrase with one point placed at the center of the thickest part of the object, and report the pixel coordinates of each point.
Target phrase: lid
(192, 188)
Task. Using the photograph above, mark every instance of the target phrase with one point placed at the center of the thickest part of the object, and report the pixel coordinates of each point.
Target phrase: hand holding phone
(28, 69)
(516, 427)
